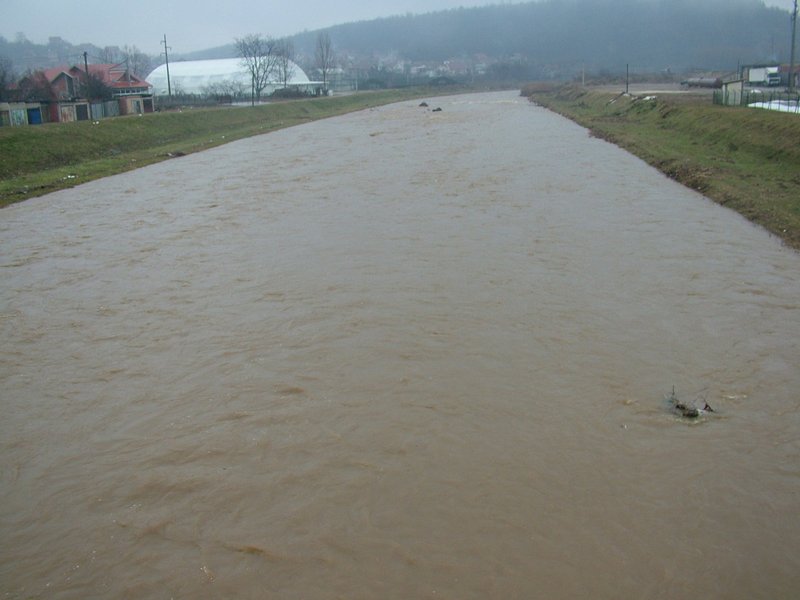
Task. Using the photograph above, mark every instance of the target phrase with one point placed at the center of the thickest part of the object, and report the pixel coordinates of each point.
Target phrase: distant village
(86, 91)
(81, 92)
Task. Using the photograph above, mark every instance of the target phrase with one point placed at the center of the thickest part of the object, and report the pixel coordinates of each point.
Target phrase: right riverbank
(745, 159)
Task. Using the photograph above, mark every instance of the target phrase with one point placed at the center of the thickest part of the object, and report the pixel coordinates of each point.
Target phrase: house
(118, 78)
(56, 92)
(63, 84)
(65, 94)
(134, 95)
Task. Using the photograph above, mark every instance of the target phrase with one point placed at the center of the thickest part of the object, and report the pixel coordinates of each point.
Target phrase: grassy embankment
(40, 159)
(745, 159)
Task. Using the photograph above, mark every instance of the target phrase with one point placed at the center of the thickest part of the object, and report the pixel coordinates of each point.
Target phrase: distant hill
(552, 36)
(24, 55)
(600, 34)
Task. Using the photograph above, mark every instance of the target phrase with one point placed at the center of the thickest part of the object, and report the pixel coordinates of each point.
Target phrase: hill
(23, 55)
(552, 38)
(598, 34)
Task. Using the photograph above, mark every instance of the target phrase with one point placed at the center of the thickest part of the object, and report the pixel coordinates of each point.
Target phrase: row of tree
(26, 56)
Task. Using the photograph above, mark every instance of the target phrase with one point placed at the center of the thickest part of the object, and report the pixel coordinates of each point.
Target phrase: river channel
(397, 354)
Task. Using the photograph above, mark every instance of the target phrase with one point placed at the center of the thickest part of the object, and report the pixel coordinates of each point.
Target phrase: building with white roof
(198, 76)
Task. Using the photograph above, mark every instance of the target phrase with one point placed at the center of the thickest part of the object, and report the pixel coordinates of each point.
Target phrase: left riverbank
(38, 160)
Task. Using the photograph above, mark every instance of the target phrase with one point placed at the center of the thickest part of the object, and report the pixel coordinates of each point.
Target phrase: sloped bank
(745, 159)
(42, 159)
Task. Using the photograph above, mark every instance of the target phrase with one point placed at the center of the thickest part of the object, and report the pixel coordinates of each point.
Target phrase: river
(397, 354)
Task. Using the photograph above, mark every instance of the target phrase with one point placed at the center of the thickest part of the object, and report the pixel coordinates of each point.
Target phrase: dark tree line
(27, 56)
(535, 37)
(597, 33)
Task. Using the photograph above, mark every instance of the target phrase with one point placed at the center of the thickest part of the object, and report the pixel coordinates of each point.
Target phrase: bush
(288, 93)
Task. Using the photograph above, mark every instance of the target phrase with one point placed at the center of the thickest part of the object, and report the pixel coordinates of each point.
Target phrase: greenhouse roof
(196, 76)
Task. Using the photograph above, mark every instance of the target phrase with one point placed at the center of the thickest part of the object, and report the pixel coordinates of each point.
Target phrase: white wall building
(194, 77)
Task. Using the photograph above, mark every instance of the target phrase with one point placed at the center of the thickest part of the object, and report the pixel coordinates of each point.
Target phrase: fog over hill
(654, 34)
(595, 34)
(552, 36)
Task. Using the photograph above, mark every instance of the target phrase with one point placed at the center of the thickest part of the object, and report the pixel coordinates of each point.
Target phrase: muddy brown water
(397, 354)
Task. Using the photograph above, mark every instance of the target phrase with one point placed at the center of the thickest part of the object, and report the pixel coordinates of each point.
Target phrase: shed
(731, 92)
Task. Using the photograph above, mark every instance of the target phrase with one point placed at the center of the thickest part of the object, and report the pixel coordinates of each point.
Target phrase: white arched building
(197, 76)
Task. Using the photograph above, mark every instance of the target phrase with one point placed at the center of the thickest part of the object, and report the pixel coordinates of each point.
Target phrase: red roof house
(118, 78)
(64, 91)
(115, 76)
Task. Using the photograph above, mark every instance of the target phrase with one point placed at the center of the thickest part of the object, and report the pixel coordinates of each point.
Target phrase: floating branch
(688, 410)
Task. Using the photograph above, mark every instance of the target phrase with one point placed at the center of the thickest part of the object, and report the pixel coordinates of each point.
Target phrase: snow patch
(779, 105)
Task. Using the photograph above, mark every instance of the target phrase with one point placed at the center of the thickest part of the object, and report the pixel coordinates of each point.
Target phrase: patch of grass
(40, 159)
(746, 159)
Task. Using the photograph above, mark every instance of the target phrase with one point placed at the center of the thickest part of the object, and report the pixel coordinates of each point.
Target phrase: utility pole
(88, 83)
(628, 77)
(794, 38)
(166, 59)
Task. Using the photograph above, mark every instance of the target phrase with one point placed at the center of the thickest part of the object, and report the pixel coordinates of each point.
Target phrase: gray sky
(200, 24)
(192, 24)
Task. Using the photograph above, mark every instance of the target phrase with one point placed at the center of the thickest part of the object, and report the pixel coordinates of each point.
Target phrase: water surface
(397, 354)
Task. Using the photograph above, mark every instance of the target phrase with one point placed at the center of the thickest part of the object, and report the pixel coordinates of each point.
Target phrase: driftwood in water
(687, 410)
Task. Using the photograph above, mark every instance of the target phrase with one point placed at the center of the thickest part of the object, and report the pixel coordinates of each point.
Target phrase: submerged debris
(687, 410)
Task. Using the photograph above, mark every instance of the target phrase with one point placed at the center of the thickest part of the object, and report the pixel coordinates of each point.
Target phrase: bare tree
(259, 57)
(235, 88)
(35, 87)
(6, 77)
(109, 54)
(285, 51)
(324, 56)
(226, 89)
(212, 90)
(95, 88)
(136, 61)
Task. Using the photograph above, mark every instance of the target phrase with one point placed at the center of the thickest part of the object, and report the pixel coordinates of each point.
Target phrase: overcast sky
(200, 24)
